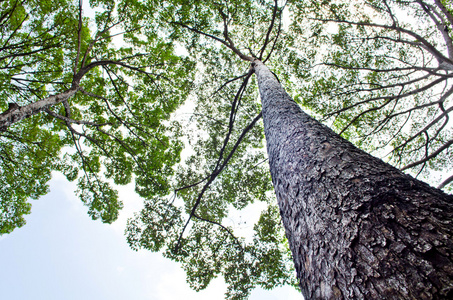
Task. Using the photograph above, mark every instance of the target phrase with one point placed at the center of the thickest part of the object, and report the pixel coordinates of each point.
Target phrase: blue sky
(62, 254)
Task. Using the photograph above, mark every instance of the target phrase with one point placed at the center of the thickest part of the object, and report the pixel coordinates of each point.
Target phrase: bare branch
(370, 110)
(426, 87)
(441, 25)
(426, 158)
(233, 111)
(228, 43)
(279, 30)
(445, 113)
(427, 45)
(445, 11)
(445, 182)
(228, 82)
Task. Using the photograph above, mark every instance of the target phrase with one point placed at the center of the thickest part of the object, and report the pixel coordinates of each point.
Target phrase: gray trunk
(357, 227)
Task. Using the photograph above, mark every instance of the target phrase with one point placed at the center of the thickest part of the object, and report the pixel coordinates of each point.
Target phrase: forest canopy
(91, 90)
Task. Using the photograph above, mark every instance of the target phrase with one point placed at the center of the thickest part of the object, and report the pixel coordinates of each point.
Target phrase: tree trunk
(357, 227)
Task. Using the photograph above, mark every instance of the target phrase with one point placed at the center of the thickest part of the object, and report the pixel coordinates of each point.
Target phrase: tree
(63, 85)
(227, 171)
(349, 219)
(357, 227)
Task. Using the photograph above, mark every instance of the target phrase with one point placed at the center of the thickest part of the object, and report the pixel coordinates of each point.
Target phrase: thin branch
(390, 99)
(426, 146)
(226, 43)
(378, 87)
(79, 39)
(213, 177)
(445, 11)
(233, 111)
(69, 120)
(441, 26)
(445, 182)
(98, 34)
(208, 117)
(427, 45)
(269, 30)
(193, 184)
(446, 112)
(84, 163)
(221, 226)
(431, 84)
(279, 30)
(394, 22)
(228, 82)
(426, 158)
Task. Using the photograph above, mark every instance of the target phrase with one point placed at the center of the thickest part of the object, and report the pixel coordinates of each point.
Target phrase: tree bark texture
(357, 227)
(18, 113)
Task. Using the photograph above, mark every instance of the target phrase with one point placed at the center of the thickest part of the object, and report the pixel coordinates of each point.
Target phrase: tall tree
(356, 226)
(366, 215)
(65, 85)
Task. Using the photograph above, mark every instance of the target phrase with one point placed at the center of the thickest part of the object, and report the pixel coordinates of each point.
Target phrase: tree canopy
(79, 104)
(382, 82)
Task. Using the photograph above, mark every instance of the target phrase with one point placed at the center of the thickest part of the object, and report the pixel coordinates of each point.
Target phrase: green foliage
(209, 249)
(374, 83)
(25, 156)
(227, 170)
(116, 127)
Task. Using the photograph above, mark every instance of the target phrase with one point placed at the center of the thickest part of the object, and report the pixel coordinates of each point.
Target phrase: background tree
(65, 85)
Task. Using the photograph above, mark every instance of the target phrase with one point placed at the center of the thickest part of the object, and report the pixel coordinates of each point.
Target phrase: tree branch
(18, 114)
(221, 226)
(271, 26)
(226, 43)
(445, 182)
(446, 112)
(69, 120)
(79, 39)
(441, 26)
(213, 177)
(444, 62)
(431, 84)
(426, 158)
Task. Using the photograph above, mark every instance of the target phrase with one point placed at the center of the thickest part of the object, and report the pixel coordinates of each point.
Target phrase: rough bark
(357, 227)
(18, 113)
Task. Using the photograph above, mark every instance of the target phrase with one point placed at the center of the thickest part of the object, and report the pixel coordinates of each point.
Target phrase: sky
(62, 254)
